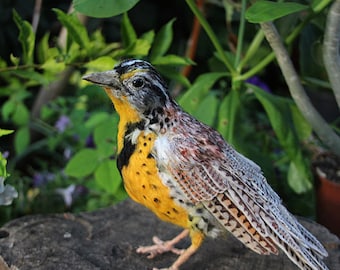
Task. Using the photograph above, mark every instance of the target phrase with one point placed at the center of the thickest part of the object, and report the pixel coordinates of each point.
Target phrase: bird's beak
(107, 78)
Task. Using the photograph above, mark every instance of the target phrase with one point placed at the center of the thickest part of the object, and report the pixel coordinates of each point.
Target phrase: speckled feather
(233, 189)
(218, 188)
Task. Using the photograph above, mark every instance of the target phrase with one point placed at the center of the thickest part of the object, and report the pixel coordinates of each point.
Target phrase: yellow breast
(143, 183)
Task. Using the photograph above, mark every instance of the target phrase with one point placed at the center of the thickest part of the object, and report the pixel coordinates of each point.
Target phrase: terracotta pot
(328, 203)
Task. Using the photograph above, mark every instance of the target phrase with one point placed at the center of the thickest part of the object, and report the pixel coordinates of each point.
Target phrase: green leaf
(162, 41)
(193, 96)
(149, 36)
(207, 110)
(75, 30)
(105, 135)
(8, 108)
(227, 115)
(101, 64)
(3, 171)
(107, 176)
(96, 119)
(173, 74)
(302, 127)
(26, 38)
(264, 11)
(51, 65)
(21, 139)
(140, 47)
(21, 114)
(43, 48)
(299, 176)
(128, 33)
(15, 60)
(4, 132)
(103, 8)
(281, 119)
(172, 59)
(82, 164)
(31, 76)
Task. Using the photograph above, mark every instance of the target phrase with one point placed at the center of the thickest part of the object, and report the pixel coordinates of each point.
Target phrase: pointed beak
(107, 78)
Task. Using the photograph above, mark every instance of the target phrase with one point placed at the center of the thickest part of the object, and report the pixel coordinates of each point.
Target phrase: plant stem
(331, 49)
(240, 36)
(319, 125)
(270, 57)
(211, 35)
(253, 47)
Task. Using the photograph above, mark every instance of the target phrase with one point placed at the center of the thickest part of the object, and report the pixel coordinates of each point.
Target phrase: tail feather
(298, 244)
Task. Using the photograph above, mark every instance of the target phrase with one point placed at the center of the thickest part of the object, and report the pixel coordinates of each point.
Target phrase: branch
(319, 125)
(36, 15)
(331, 49)
(53, 90)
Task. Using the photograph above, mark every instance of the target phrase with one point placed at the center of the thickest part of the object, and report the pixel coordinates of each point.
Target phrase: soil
(329, 164)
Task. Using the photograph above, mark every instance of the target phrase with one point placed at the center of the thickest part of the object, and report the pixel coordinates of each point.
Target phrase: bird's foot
(159, 247)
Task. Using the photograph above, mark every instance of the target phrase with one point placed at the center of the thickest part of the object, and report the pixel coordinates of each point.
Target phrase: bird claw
(159, 247)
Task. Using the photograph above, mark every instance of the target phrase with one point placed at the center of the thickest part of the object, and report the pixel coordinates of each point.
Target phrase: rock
(107, 239)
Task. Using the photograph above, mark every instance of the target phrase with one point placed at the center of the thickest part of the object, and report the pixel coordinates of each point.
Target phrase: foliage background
(61, 155)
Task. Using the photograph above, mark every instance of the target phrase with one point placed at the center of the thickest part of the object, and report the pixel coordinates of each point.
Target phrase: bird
(187, 174)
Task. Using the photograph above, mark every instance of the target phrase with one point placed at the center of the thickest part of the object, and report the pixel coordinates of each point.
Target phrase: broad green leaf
(82, 164)
(207, 110)
(105, 136)
(15, 60)
(76, 31)
(26, 38)
(103, 8)
(193, 96)
(43, 48)
(227, 115)
(31, 75)
(140, 47)
(299, 176)
(107, 176)
(4, 132)
(96, 119)
(148, 36)
(21, 139)
(302, 127)
(51, 65)
(281, 119)
(173, 74)
(3, 171)
(21, 114)
(101, 63)
(128, 33)
(264, 11)
(172, 59)
(8, 108)
(162, 41)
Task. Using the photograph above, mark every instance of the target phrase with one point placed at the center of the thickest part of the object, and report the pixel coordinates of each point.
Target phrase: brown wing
(234, 190)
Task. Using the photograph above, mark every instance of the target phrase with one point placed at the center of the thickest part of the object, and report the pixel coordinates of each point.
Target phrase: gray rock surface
(107, 239)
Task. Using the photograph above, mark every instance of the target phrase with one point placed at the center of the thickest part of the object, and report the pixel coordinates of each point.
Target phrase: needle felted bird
(184, 171)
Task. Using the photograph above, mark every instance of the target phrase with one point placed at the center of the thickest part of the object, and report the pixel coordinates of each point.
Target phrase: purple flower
(5, 154)
(42, 178)
(255, 80)
(62, 123)
(90, 142)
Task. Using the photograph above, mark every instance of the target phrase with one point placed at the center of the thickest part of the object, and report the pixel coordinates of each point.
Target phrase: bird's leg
(196, 241)
(163, 246)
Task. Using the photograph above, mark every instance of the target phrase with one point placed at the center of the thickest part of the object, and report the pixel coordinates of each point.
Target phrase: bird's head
(133, 83)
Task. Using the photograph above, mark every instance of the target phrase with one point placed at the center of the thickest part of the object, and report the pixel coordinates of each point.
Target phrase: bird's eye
(138, 82)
